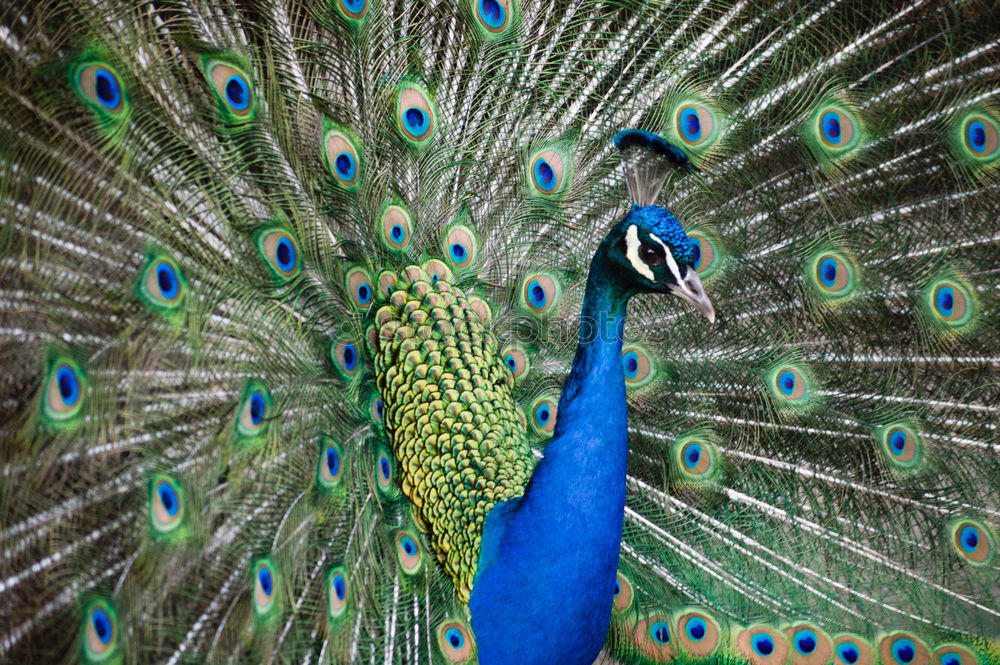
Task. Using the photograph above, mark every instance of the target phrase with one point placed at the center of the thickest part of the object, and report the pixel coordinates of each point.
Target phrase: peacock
(500, 331)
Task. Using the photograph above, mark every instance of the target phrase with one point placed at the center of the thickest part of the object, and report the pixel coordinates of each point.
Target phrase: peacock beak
(689, 288)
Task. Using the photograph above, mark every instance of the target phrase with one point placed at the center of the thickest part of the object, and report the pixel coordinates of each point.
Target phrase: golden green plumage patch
(449, 414)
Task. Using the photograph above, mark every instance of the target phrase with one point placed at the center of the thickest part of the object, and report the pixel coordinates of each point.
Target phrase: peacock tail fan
(289, 292)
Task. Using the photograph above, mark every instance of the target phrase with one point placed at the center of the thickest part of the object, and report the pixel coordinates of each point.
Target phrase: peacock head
(649, 252)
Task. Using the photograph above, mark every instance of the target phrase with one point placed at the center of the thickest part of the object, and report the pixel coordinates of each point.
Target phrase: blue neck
(546, 575)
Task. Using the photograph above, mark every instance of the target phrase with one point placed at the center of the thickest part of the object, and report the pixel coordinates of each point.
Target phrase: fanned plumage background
(846, 399)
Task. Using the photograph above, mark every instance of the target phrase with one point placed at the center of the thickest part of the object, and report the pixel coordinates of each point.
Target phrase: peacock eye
(652, 255)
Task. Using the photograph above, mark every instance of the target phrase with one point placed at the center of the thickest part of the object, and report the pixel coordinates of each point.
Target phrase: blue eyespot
(346, 165)
(168, 498)
(492, 13)
(265, 580)
(408, 545)
(618, 588)
(762, 644)
(696, 252)
(696, 629)
(398, 233)
(975, 134)
(950, 659)
(660, 632)
(830, 125)
(339, 586)
(897, 442)
(102, 625)
(944, 300)
(804, 641)
(69, 385)
(545, 175)
(332, 461)
(106, 87)
(455, 638)
(257, 407)
(786, 382)
(848, 653)
(542, 415)
(417, 121)
(166, 279)
(631, 363)
(457, 252)
(350, 357)
(904, 650)
(378, 408)
(692, 455)
(828, 272)
(969, 538)
(284, 253)
(511, 362)
(536, 294)
(238, 92)
(364, 294)
(383, 466)
(690, 124)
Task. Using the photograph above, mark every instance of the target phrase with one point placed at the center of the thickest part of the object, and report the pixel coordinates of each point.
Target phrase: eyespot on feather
(543, 415)
(851, 649)
(762, 645)
(494, 16)
(547, 172)
(654, 638)
(461, 246)
(972, 541)
(166, 504)
(789, 385)
(694, 457)
(698, 633)
(383, 469)
(516, 361)
(161, 284)
(280, 253)
(809, 645)
(254, 411)
(637, 365)
(706, 254)
(416, 117)
(233, 88)
(376, 409)
(330, 466)
(63, 397)
(338, 592)
(99, 632)
(437, 271)
(902, 445)
(341, 156)
(540, 294)
(386, 284)
(980, 136)
(408, 552)
(623, 593)
(265, 587)
(353, 10)
(832, 273)
(100, 86)
(346, 357)
(902, 648)
(695, 124)
(455, 642)
(396, 227)
(954, 654)
(359, 288)
(950, 303)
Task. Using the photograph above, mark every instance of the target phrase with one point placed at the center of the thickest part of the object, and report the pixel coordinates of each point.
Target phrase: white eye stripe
(632, 252)
(671, 263)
